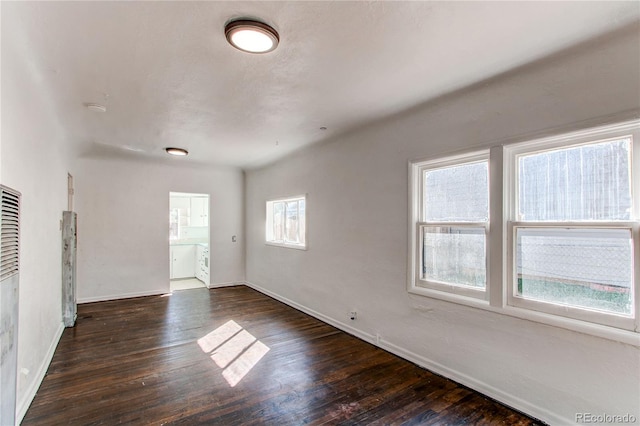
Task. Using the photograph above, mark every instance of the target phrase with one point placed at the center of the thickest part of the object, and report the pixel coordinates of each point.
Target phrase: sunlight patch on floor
(234, 350)
(244, 363)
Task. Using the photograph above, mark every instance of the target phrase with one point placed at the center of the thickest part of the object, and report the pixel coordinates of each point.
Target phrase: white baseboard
(342, 326)
(228, 284)
(512, 401)
(27, 397)
(121, 296)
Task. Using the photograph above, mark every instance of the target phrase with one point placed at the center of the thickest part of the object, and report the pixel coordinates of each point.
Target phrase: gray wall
(123, 225)
(35, 160)
(357, 236)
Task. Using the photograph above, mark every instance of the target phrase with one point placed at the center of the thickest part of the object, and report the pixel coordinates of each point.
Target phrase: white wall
(123, 225)
(34, 161)
(357, 237)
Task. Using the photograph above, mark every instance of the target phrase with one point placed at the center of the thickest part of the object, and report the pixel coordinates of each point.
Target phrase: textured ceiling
(168, 77)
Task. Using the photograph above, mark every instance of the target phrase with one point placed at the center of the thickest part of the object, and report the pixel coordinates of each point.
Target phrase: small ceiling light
(96, 107)
(251, 36)
(176, 151)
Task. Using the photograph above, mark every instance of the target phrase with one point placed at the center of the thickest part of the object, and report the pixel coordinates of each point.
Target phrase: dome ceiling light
(251, 36)
(177, 151)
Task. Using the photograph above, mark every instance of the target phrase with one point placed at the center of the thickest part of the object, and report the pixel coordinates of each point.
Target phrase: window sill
(598, 330)
(460, 295)
(606, 332)
(290, 246)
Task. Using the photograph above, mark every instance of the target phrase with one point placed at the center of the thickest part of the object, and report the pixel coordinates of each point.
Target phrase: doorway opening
(189, 265)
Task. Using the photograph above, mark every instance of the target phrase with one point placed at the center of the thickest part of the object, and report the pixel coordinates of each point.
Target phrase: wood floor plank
(233, 356)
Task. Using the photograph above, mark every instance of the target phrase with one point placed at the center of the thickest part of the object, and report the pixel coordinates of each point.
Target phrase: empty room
(318, 212)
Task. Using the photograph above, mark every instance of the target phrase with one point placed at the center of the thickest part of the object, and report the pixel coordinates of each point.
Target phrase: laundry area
(188, 240)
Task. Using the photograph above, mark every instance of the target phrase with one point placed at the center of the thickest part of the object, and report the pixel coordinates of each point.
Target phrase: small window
(452, 220)
(286, 222)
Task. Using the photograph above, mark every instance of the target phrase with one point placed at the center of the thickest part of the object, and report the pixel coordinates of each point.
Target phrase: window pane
(588, 268)
(302, 220)
(291, 224)
(588, 182)
(278, 221)
(454, 255)
(457, 193)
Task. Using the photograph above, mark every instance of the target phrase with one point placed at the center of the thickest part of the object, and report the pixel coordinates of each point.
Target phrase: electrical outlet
(353, 315)
(378, 338)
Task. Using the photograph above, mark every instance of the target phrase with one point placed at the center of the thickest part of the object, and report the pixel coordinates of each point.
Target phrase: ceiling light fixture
(176, 151)
(251, 36)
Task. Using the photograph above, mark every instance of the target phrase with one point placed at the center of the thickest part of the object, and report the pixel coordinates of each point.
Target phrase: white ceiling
(168, 77)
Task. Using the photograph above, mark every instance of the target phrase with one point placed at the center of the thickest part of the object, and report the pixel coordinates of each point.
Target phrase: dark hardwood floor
(233, 356)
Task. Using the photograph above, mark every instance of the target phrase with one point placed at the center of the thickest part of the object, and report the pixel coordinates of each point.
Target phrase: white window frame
(499, 296)
(269, 223)
(575, 139)
(433, 288)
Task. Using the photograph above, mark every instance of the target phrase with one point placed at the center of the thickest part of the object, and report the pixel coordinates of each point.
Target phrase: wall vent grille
(9, 232)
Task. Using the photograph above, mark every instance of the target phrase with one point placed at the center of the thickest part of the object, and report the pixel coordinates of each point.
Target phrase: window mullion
(636, 272)
(273, 222)
(497, 245)
(285, 228)
(297, 221)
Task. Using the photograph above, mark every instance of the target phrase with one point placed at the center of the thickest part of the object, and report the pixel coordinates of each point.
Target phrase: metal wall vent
(9, 232)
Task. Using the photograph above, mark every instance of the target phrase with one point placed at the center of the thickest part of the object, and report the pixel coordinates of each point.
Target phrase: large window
(557, 236)
(572, 224)
(453, 213)
(286, 222)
